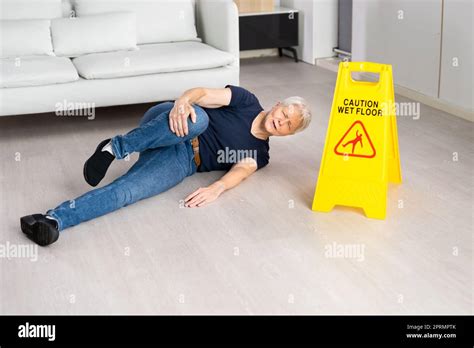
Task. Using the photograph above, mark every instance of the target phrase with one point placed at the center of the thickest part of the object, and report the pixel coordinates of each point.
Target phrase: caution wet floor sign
(360, 155)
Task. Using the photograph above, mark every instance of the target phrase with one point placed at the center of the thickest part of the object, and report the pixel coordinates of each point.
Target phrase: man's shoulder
(242, 97)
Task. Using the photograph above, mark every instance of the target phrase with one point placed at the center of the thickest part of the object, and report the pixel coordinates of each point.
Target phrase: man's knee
(128, 193)
(156, 110)
(202, 121)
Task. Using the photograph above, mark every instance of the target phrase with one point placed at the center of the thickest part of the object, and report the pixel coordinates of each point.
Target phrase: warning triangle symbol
(355, 142)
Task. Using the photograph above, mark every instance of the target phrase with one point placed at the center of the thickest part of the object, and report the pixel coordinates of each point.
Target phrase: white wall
(324, 28)
(404, 33)
(317, 27)
(305, 18)
(419, 38)
(456, 80)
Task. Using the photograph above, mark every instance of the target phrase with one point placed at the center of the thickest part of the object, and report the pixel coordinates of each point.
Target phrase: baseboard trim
(268, 52)
(435, 103)
(330, 63)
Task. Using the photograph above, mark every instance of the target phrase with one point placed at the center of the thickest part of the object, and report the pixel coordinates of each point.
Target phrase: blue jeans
(165, 160)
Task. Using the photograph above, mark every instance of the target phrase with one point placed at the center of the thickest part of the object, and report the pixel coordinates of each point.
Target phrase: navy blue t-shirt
(227, 140)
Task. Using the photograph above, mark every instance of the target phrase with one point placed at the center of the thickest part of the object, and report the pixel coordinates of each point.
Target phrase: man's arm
(205, 97)
(239, 172)
(208, 97)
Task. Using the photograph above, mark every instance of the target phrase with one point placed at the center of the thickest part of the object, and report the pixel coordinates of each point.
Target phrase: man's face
(283, 120)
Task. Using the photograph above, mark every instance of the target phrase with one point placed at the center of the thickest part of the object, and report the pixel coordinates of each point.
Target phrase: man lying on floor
(224, 123)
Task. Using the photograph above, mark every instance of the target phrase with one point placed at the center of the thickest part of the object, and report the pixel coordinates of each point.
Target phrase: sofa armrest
(217, 23)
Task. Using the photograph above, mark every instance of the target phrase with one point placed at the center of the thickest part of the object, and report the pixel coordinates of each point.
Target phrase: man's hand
(178, 119)
(204, 195)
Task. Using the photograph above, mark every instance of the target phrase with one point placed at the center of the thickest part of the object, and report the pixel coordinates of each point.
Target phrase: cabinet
(273, 29)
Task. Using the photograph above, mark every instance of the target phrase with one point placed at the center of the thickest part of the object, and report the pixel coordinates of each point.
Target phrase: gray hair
(303, 106)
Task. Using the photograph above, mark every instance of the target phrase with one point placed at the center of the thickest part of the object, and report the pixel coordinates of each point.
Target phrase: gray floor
(259, 248)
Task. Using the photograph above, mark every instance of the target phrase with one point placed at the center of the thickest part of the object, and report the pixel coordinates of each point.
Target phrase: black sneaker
(40, 229)
(96, 166)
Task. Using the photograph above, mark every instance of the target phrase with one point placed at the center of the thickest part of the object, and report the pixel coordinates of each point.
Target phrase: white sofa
(115, 52)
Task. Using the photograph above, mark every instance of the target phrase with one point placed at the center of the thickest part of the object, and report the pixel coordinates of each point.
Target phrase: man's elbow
(248, 171)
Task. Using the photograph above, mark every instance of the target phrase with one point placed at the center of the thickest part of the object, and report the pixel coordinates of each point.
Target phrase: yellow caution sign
(360, 155)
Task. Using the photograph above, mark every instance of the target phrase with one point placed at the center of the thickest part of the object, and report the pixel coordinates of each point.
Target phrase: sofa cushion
(30, 9)
(152, 59)
(67, 8)
(73, 37)
(157, 20)
(36, 70)
(25, 37)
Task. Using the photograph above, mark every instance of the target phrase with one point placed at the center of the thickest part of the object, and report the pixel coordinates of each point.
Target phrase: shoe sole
(85, 175)
(38, 231)
(102, 144)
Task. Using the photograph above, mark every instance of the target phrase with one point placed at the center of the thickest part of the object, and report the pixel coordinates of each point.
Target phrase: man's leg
(155, 171)
(154, 111)
(154, 131)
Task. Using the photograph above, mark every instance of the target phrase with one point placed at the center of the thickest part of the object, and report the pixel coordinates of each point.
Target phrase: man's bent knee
(202, 121)
(156, 110)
